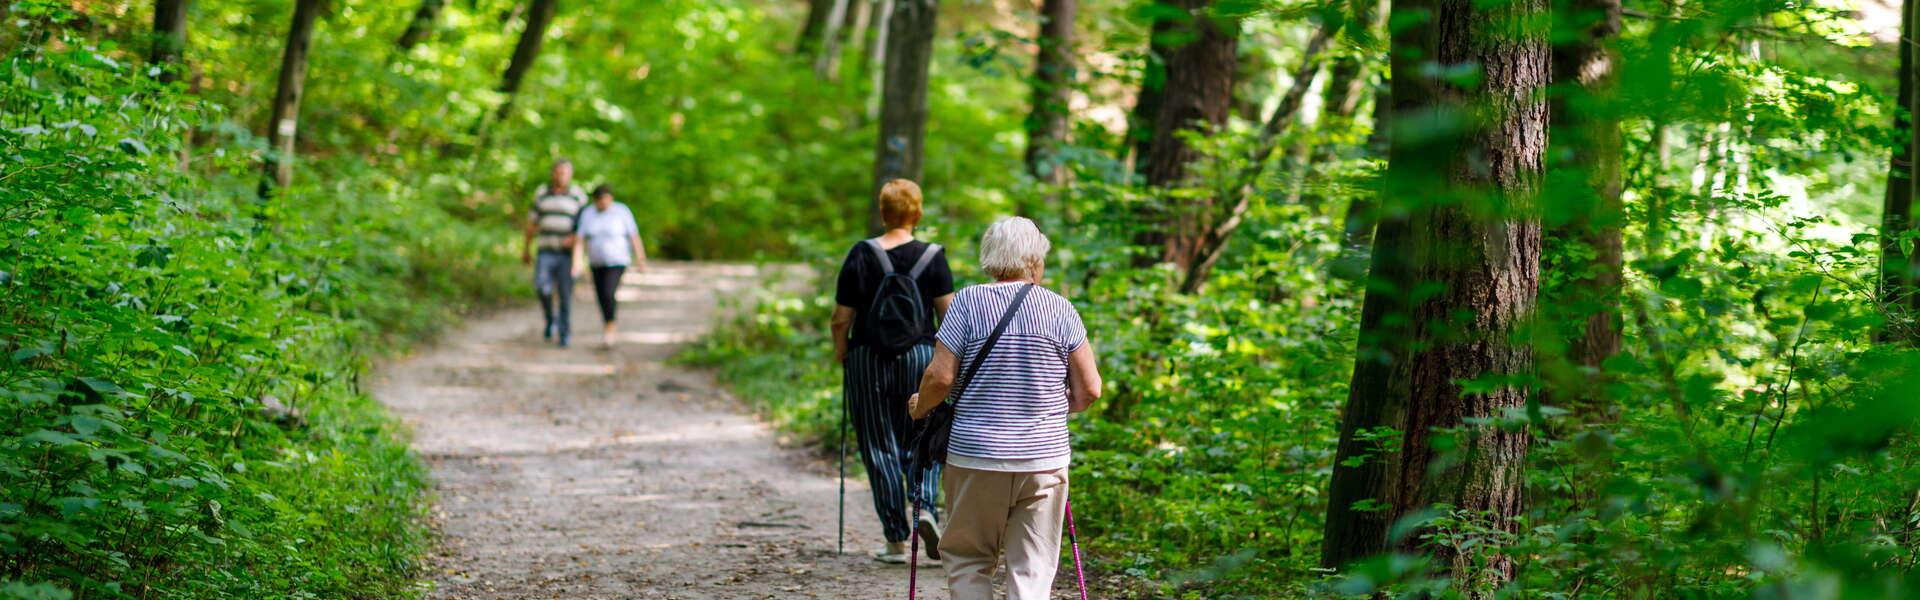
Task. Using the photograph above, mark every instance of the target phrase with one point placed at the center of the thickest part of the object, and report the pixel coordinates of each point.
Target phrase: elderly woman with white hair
(1006, 475)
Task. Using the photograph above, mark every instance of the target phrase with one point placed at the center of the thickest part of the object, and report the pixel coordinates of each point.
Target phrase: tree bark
(1475, 236)
(903, 106)
(1898, 270)
(539, 16)
(819, 14)
(827, 64)
(1587, 133)
(882, 19)
(169, 38)
(422, 24)
(1153, 86)
(1195, 256)
(1198, 96)
(1053, 74)
(285, 120)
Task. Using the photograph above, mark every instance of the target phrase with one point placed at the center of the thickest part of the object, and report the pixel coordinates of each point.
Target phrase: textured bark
(1359, 500)
(1053, 74)
(169, 38)
(1897, 268)
(903, 105)
(422, 24)
(1153, 86)
(1480, 243)
(1198, 97)
(285, 119)
(1587, 133)
(1201, 247)
(525, 52)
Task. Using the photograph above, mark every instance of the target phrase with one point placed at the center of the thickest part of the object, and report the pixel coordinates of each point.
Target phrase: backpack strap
(980, 358)
(926, 258)
(886, 264)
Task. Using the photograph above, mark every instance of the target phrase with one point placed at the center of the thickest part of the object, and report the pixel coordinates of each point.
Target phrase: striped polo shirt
(553, 214)
(1012, 416)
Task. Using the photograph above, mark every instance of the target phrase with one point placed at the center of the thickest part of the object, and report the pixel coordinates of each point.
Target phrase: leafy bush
(181, 413)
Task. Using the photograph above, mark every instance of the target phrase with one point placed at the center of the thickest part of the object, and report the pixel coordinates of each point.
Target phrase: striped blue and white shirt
(1012, 415)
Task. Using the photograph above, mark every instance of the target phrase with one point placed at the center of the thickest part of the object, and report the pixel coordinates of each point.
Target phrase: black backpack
(897, 319)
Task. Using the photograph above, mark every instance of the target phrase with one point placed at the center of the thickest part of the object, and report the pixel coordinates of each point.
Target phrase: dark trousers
(877, 388)
(553, 281)
(606, 281)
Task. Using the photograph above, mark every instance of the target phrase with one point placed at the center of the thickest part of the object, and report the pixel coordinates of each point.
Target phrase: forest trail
(591, 473)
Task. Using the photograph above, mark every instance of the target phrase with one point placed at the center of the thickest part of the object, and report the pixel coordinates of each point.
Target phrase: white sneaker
(895, 553)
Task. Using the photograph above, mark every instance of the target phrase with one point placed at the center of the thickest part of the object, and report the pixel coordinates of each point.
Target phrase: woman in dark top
(878, 383)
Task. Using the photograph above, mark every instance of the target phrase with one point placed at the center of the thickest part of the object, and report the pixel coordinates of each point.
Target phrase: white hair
(1013, 248)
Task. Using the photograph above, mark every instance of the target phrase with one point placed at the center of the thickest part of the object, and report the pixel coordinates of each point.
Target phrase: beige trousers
(991, 514)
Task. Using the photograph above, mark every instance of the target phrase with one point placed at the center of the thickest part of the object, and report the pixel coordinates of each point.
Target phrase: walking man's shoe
(929, 531)
(895, 553)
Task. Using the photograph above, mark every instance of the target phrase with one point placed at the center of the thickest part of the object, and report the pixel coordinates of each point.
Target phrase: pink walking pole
(1073, 536)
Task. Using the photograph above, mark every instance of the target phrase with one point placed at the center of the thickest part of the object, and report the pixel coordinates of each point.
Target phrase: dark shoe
(563, 340)
(929, 531)
(547, 334)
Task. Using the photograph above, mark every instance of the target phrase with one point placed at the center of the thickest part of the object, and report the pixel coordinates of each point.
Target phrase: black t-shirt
(860, 277)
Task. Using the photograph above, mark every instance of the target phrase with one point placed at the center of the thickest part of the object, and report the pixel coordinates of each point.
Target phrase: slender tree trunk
(1897, 269)
(421, 26)
(1053, 73)
(1587, 134)
(1153, 86)
(1198, 97)
(828, 61)
(853, 35)
(903, 106)
(1357, 226)
(1196, 255)
(1478, 240)
(292, 85)
(169, 38)
(814, 32)
(877, 54)
(539, 16)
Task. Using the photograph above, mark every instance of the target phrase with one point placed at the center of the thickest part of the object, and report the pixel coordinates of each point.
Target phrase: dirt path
(590, 473)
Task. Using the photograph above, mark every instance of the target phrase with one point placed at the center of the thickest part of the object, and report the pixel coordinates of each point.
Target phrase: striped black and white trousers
(877, 388)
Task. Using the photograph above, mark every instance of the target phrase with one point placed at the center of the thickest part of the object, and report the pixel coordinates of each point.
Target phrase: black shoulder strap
(926, 258)
(980, 358)
(886, 264)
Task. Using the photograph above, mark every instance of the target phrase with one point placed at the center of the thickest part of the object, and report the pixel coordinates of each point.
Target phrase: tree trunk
(1053, 73)
(1153, 87)
(854, 33)
(169, 38)
(1897, 269)
(292, 85)
(1587, 133)
(1196, 255)
(1357, 226)
(539, 16)
(1198, 96)
(903, 105)
(422, 24)
(819, 13)
(882, 19)
(846, 18)
(1477, 239)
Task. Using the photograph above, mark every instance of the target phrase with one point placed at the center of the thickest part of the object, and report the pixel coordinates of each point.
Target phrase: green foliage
(180, 404)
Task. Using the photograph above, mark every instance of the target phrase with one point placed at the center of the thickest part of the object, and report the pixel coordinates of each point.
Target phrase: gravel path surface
(606, 473)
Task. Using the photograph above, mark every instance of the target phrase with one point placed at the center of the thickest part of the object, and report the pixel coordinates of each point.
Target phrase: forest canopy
(1518, 298)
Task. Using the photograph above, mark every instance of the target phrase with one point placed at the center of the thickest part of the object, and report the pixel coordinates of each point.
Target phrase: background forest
(1580, 298)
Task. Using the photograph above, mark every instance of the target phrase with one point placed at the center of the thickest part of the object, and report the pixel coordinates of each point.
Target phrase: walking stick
(843, 478)
(913, 551)
(1073, 537)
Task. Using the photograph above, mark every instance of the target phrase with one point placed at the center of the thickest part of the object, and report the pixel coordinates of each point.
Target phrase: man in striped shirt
(549, 226)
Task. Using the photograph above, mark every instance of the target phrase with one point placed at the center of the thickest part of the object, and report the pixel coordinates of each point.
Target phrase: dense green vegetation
(1754, 436)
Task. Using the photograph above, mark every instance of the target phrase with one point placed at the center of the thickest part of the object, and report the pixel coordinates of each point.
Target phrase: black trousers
(606, 281)
(877, 388)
